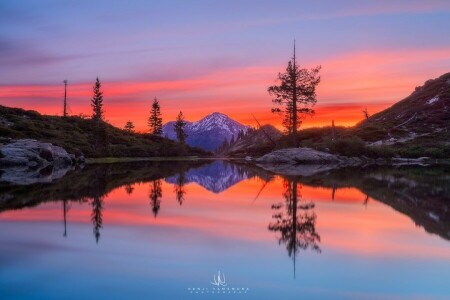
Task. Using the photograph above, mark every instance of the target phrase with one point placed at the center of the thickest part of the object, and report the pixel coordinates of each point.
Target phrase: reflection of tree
(66, 208)
(179, 187)
(96, 216)
(155, 196)
(296, 221)
(129, 188)
(97, 191)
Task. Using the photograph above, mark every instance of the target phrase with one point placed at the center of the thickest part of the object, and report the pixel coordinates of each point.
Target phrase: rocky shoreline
(28, 161)
(307, 161)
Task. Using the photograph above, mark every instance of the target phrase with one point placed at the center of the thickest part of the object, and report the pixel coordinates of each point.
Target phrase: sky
(207, 56)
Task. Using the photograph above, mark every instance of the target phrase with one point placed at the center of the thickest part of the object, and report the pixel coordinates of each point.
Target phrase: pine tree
(129, 127)
(97, 102)
(155, 120)
(296, 93)
(99, 130)
(232, 140)
(178, 127)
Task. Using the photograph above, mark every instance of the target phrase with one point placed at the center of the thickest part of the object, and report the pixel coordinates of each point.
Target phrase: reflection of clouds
(19, 242)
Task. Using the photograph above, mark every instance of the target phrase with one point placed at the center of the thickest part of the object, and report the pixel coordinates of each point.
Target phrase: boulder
(29, 161)
(299, 156)
(33, 153)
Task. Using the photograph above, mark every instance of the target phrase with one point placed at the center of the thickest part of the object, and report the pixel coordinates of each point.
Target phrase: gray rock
(305, 161)
(299, 156)
(29, 161)
(22, 152)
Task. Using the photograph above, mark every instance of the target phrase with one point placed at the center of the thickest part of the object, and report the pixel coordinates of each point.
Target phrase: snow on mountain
(215, 177)
(209, 132)
(432, 100)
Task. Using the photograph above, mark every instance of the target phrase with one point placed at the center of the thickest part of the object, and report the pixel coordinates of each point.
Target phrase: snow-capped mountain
(215, 177)
(208, 133)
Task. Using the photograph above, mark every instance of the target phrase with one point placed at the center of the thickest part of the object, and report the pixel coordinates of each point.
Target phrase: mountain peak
(216, 113)
(209, 132)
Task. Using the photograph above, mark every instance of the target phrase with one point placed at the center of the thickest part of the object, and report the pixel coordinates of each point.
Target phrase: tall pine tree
(155, 120)
(97, 102)
(179, 128)
(100, 133)
(296, 93)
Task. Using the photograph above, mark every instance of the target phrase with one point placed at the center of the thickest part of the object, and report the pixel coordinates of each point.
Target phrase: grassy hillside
(76, 134)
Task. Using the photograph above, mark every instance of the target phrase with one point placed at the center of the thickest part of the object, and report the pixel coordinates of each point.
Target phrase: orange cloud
(350, 83)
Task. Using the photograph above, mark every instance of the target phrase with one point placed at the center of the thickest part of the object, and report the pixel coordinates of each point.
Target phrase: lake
(216, 229)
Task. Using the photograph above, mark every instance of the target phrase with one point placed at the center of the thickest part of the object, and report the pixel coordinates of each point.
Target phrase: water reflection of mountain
(422, 193)
(217, 176)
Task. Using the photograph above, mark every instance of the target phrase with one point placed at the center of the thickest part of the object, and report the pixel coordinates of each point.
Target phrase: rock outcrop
(299, 156)
(29, 161)
(304, 161)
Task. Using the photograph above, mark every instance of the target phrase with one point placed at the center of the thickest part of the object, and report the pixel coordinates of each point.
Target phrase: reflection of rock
(28, 161)
(299, 156)
(297, 170)
(23, 175)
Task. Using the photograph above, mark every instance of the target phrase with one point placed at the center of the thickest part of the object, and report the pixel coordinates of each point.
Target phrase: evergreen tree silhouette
(99, 131)
(97, 102)
(155, 120)
(296, 93)
(179, 128)
(129, 127)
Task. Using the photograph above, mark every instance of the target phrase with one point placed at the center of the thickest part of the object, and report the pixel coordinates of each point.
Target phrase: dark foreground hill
(76, 134)
(422, 118)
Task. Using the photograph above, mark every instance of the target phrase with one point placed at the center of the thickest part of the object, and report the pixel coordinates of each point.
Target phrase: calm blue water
(159, 231)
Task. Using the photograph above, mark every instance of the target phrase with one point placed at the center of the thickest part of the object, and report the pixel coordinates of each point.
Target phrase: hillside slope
(75, 134)
(421, 118)
(255, 142)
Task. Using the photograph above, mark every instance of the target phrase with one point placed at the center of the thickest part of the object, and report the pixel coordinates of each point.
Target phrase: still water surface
(165, 230)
